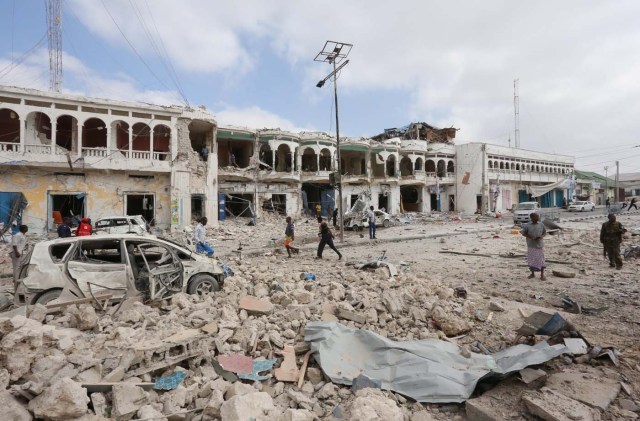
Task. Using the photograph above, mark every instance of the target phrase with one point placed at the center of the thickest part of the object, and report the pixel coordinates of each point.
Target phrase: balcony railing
(95, 152)
(9, 147)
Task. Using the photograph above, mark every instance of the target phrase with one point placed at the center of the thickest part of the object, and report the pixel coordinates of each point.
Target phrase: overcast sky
(448, 63)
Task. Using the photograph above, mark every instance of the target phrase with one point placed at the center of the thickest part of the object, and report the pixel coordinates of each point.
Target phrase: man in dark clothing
(611, 238)
(608, 204)
(335, 218)
(326, 238)
(64, 229)
(633, 204)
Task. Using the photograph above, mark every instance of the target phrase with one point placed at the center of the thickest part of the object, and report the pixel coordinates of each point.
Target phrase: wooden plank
(303, 369)
(80, 301)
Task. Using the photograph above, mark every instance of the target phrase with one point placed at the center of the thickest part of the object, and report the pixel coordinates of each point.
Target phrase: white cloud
(255, 117)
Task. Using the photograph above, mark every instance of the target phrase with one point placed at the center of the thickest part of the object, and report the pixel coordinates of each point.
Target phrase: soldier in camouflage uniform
(611, 238)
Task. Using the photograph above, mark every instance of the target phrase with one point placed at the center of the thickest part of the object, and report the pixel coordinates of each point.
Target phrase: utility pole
(333, 53)
(54, 31)
(516, 112)
(617, 179)
(606, 183)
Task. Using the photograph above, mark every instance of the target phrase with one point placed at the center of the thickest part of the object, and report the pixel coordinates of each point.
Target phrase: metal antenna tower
(54, 24)
(516, 112)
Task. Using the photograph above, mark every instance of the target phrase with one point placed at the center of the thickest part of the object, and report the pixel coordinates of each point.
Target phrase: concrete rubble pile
(90, 365)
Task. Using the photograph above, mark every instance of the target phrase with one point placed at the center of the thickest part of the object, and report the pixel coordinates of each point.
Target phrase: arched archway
(325, 160)
(283, 162)
(390, 165)
(490, 164)
(67, 132)
(309, 160)
(502, 165)
(94, 134)
(430, 166)
(9, 129)
(451, 168)
(418, 166)
(161, 142)
(517, 167)
(141, 140)
(406, 166)
(38, 130)
(442, 168)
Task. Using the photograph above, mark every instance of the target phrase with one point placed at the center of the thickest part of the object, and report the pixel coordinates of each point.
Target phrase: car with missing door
(129, 224)
(121, 265)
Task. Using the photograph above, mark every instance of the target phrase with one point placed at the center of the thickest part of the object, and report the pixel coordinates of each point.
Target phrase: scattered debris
(460, 292)
(259, 366)
(288, 370)
(561, 274)
(170, 382)
(576, 346)
(531, 375)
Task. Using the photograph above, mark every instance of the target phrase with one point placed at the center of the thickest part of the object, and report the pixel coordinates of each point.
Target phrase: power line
(14, 64)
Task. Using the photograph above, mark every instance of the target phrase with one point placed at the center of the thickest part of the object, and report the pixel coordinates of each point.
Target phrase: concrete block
(351, 315)
(593, 390)
(553, 406)
(255, 305)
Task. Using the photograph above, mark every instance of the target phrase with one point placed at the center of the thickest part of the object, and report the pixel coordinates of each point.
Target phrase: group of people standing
(610, 236)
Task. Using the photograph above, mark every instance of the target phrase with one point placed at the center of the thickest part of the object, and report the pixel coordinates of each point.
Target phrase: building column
(151, 143)
(318, 163)
(293, 164)
(54, 130)
(22, 129)
(130, 140)
(80, 128)
(109, 145)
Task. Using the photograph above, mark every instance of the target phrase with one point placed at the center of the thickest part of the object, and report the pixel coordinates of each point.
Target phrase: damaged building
(73, 156)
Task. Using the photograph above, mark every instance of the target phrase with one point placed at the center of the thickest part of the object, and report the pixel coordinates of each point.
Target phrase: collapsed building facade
(72, 156)
(76, 156)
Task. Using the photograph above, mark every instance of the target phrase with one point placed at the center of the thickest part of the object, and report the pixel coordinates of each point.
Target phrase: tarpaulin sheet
(537, 191)
(429, 370)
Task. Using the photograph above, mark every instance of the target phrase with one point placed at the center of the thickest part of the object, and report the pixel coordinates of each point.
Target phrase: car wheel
(582, 210)
(593, 208)
(203, 284)
(47, 296)
(385, 223)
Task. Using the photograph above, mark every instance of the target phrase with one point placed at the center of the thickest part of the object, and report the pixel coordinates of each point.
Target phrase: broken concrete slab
(594, 390)
(553, 406)
(533, 377)
(373, 405)
(12, 409)
(65, 399)
(576, 346)
(288, 370)
(351, 315)
(210, 328)
(257, 405)
(127, 400)
(255, 305)
(495, 306)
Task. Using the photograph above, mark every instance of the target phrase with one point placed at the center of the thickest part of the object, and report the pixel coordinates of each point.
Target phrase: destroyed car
(582, 206)
(131, 224)
(116, 264)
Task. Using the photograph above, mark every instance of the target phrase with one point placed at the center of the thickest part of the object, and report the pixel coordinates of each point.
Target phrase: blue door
(522, 196)
(327, 201)
(559, 197)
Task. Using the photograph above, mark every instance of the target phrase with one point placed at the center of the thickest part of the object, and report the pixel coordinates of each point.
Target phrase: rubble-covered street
(241, 353)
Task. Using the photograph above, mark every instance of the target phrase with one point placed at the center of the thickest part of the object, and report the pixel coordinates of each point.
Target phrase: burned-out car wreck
(121, 265)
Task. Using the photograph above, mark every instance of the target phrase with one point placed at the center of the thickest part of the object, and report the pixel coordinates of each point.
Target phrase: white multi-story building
(492, 177)
(78, 156)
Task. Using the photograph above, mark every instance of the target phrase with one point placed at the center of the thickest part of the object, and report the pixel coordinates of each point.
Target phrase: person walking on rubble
(534, 231)
(608, 204)
(326, 238)
(632, 204)
(18, 248)
(611, 238)
(289, 236)
(335, 217)
(200, 237)
(371, 217)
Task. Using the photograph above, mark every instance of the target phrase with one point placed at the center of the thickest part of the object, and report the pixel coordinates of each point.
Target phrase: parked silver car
(117, 264)
(582, 206)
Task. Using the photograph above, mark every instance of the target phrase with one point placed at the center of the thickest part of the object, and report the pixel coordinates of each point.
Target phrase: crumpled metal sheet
(429, 370)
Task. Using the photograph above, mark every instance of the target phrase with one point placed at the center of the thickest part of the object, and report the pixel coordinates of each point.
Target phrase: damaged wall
(105, 193)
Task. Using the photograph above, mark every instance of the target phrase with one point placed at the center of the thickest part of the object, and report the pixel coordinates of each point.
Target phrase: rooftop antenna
(54, 24)
(516, 111)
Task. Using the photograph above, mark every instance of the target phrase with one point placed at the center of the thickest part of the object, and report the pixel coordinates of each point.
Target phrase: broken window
(99, 252)
(430, 167)
(411, 198)
(234, 153)
(277, 204)
(141, 204)
(197, 206)
(201, 137)
(66, 205)
(266, 157)
(58, 251)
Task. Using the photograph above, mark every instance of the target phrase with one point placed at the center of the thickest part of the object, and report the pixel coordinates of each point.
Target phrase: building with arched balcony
(73, 156)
